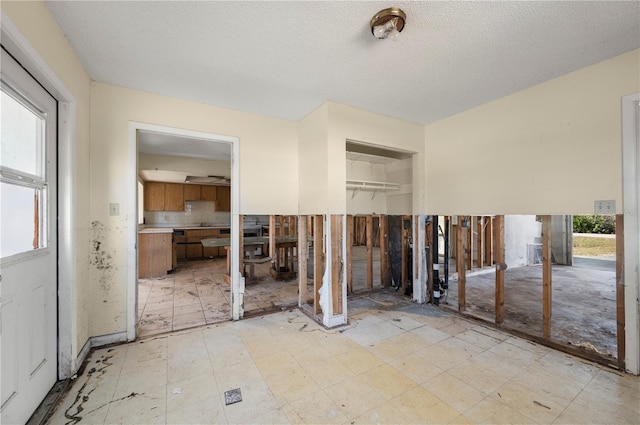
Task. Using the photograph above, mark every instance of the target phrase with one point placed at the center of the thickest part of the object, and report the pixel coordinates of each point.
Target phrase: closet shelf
(371, 186)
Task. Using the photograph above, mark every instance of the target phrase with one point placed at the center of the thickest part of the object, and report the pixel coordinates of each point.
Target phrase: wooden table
(250, 245)
(283, 265)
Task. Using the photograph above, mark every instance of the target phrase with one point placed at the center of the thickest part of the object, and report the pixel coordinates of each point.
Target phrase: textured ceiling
(283, 59)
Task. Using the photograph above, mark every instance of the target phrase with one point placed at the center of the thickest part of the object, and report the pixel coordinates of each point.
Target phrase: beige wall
(267, 164)
(554, 148)
(40, 29)
(313, 161)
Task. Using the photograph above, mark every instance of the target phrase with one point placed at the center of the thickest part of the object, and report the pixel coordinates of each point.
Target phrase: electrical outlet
(114, 209)
(605, 207)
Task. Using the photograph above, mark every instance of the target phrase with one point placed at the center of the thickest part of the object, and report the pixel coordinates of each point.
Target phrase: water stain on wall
(100, 258)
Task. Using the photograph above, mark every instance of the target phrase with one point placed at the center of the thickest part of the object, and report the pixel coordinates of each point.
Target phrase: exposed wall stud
(498, 243)
(546, 276)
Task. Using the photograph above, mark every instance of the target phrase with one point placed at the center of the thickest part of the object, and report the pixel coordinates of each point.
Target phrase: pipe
(436, 261)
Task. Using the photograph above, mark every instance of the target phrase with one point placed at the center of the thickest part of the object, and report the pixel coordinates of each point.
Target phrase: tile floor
(394, 363)
(197, 294)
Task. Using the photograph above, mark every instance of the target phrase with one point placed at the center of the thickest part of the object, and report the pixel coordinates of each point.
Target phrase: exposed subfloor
(396, 362)
(197, 294)
(583, 303)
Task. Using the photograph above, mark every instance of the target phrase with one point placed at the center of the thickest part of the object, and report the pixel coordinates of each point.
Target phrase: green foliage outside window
(603, 224)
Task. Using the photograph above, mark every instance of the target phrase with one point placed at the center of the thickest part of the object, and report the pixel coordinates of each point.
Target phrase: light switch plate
(114, 209)
(605, 207)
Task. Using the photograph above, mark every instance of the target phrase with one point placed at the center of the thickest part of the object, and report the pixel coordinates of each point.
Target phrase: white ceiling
(283, 59)
(172, 145)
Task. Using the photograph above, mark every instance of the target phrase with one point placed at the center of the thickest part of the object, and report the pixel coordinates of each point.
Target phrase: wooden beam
(303, 253)
(498, 244)
(318, 266)
(620, 320)
(461, 238)
(350, 220)
(280, 225)
(469, 246)
(546, 276)
(369, 235)
(488, 237)
(385, 270)
(273, 252)
(480, 242)
(336, 263)
(403, 256)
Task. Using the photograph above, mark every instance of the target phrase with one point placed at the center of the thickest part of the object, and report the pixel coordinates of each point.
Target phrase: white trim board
(20, 48)
(631, 200)
(237, 282)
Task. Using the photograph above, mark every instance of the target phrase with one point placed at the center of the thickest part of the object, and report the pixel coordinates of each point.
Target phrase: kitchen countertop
(149, 230)
(167, 229)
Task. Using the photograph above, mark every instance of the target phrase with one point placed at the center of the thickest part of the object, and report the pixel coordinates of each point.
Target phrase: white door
(28, 272)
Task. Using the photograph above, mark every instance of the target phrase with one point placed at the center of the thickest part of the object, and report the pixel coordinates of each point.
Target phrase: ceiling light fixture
(388, 23)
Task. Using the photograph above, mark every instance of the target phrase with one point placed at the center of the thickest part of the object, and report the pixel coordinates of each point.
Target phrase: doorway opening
(188, 196)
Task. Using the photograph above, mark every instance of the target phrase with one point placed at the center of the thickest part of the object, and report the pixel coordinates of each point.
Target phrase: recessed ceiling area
(151, 142)
(283, 59)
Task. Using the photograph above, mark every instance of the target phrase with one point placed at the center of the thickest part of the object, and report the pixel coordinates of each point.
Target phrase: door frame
(631, 210)
(20, 48)
(237, 281)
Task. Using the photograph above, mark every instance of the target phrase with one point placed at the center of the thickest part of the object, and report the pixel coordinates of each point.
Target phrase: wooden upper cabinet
(174, 197)
(208, 193)
(154, 196)
(223, 201)
(192, 192)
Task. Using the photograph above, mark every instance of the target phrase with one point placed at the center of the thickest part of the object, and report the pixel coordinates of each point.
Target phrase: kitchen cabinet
(223, 201)
(154, 196)
(208, 193)
(193, 246)
(192, 192)
(174, 197)
(181, 251)
(155, 254)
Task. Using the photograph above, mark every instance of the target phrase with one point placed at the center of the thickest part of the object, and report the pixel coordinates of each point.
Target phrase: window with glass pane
(22, 184)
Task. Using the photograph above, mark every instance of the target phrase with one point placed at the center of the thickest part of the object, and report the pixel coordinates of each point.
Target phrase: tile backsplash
(200, 212)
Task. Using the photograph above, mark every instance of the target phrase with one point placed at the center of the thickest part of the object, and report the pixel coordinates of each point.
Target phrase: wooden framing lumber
(620, 320)
(498, 243)
(318, 266)
(546, 276)
(336, 263)
(350, 220)
(273, 251)
(469, 246)
(403, 274)
(385, 269)
(489, 258)
(369, 235)
(480, 242)
(303, 253)
(460, 265)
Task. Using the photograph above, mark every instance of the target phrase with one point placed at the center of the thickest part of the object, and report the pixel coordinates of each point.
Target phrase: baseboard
(102, 340)
(82, 355)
